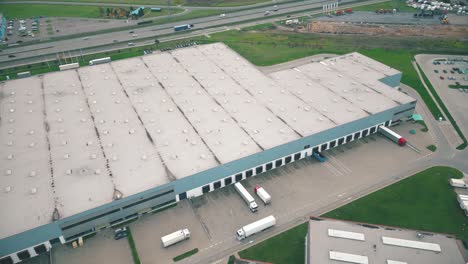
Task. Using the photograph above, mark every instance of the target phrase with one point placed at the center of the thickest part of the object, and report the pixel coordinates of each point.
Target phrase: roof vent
(114, 158)
(294, 119)
(114, 92)
(97, 171)
(125, 121)
(158, 131)
(56, 110)
(61, 131)
(214, 109)
(269, 120)
(30, 101)
(93, 156)
(350, 109)
(282, 91)
(105, 132)
(170, 110)
(146, 110)
(193, 142)
(64, 143)
(132, 131)
(7, 189)
(12, 93)
(75, 92)
(174, 156)
(8, 172)
(91, 93)
(31, 132)
(255, 131)
(83, 120)
(320, 119)
(12, 110)
(110, 145)
(163, 100)
(117, 101)
(10, 131)
(10, 156)
(166, 143)
(32, 174)
(81, 109)
(66, 156)
(33, 190)
(144, 157)
(307, 109)
(32, 144)
(335, 100)
(185, 131)
(60, 120)
(12, 101)
(10, 143)
(69, 172)
(224, 120)
(282, 131)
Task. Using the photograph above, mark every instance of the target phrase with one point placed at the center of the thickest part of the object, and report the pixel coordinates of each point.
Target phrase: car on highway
(131, 44)
(131, 31)
(85, 38)
(11, 56)
(115, 41)
(135, 35)
(222, 15)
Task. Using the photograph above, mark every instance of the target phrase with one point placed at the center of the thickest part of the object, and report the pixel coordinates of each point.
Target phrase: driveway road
(123, 37)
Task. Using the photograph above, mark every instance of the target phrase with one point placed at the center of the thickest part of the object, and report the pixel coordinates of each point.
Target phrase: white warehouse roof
(74, 140)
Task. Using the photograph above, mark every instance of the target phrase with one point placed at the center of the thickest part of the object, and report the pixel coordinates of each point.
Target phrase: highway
(120, 39)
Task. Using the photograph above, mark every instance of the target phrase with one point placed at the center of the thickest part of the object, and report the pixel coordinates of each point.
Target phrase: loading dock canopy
(411, 244)
(350, 258)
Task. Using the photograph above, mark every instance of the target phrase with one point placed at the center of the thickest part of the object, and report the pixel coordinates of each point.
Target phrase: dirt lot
(452, 31)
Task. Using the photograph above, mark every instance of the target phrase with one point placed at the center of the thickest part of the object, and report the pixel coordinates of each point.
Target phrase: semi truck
(255, 227)
(69, 66)
(175, 237)
(99, 61)
(183, 27)
(392, 135)
(246, 196)
(458, 183)
(264, 196)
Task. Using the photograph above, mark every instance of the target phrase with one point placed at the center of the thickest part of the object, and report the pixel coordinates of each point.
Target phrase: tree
(108, 11)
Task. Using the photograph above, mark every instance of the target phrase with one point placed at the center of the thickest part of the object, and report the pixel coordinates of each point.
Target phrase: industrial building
(85, 149)
(334, 241)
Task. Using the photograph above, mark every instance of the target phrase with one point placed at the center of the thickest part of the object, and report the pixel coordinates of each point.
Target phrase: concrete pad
(147, 233)
(101, 248)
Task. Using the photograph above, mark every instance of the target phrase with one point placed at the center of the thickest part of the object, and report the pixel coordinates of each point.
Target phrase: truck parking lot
(300, 189)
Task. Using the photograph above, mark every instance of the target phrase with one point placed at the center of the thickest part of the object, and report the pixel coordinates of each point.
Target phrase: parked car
(445, 71)
(441, 77)
(120, 233)
(436, 71)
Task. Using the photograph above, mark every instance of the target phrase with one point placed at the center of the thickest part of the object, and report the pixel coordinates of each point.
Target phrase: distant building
(137, 11)
(335, 241)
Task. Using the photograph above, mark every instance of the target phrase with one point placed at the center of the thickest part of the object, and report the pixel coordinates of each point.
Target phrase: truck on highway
(458, 183)
(183, 27)
(255, 227)
(264, 196)
(392, 135)
(246, 196)
(175, 237)
(99, 61)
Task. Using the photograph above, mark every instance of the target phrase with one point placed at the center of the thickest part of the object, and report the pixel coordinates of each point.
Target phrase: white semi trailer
(255, 227)
(264, 196)
(175, 237)
(392, 135)
(99, 61)
(246, 196)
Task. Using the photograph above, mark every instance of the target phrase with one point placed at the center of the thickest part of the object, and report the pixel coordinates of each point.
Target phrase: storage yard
(206, 97)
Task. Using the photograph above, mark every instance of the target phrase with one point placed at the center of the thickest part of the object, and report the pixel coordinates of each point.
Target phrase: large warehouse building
(93, 147)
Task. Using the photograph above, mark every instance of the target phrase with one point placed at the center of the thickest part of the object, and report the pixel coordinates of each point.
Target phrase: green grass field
(207, 3)
(275, 249)
(186, 255)
(22, 11)
(393, 4)
(425, 201)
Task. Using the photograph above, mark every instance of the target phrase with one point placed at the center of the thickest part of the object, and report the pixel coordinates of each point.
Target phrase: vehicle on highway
(222, 15)
(131, 44)
(267, 13)
(85, 38)
(135, 35)
(183, 27)
(275, 8)
(131, 32)
(115, 41)
(11, 56)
